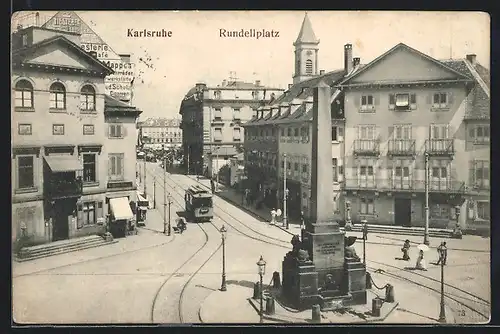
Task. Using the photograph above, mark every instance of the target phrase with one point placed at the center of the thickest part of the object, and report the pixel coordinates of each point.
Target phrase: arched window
(57, 96)
(309, 66)
(87, 98)
(24, 94)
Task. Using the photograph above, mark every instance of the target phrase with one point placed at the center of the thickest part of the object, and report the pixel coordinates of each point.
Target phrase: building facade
(160, 132)
(403, 109)
(212, 119)
(60, 168)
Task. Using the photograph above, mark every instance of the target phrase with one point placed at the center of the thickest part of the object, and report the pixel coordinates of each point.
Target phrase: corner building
(402, 107)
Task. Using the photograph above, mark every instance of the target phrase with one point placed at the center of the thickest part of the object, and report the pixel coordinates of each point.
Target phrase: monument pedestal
(300, 282)
(355, 281)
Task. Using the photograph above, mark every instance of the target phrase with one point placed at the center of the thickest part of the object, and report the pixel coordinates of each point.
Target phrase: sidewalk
(411, 306)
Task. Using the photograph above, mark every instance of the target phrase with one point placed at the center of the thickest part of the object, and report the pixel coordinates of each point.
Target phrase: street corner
(230, 306)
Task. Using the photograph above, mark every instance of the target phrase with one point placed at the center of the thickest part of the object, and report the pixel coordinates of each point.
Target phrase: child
(273, 216)
(405, 250)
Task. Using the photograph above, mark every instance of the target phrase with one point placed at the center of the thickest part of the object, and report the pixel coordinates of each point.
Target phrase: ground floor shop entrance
(402, 211)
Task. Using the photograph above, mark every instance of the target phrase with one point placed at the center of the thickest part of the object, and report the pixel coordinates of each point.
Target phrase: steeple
(306, 52)
(306, 34)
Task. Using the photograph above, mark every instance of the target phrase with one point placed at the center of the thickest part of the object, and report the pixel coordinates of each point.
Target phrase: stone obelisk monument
(323, 238)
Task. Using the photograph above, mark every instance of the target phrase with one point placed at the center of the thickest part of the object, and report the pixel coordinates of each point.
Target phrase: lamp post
(223, 232)
(262, 270)
(348, 223)
(285, 193)
(145, 193)
(365, 236)
(457, 231)
(154, 192)
(169, 198)
(426, 232)
(442, 312)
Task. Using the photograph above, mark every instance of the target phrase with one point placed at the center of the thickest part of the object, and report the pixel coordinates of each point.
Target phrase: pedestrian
(212, 185)
(302, 223)
(273, 216)
(421, 265)
(442, 253)
(405, 250)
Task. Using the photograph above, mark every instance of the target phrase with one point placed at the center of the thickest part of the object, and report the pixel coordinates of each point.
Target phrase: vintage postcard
(271, 168)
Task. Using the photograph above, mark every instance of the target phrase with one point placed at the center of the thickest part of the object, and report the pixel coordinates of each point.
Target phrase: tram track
(453, 299)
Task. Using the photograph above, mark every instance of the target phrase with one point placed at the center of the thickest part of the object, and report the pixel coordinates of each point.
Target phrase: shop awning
(63, 163)
(121, 208)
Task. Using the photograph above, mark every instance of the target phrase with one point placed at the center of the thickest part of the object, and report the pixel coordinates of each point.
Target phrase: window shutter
(376, 100)
(124, 130)
(472, 172)
(429, 98)
(79, 219)
(110, 165)
(357, 100)
(120, 164)
(106, 130)
(390, 134)
(99, 209)
(430, 131)
(450, 98)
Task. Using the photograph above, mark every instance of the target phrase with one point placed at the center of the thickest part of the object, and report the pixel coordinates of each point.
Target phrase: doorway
(402, 211)
(60, 230)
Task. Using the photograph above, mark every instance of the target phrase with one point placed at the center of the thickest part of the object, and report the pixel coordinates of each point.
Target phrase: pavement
(234, 306)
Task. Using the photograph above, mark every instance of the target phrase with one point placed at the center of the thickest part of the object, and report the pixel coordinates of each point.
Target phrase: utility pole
(285, 191)
(426, 232)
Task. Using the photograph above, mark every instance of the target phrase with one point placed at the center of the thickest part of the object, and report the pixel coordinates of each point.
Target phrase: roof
(161, 122)
(18, 55)
(395, 48)
(306, 33)
(112, 104)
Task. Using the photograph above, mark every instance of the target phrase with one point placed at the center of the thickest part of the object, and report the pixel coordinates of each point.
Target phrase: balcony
(440, 147)
(405, 184)
(217, 120)
(401, 147)
(64, 188)
(366, 147)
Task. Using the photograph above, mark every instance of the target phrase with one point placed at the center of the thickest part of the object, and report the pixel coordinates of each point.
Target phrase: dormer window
(217, 94)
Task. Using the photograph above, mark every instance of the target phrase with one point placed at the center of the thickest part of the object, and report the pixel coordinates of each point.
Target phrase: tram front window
(206, 202)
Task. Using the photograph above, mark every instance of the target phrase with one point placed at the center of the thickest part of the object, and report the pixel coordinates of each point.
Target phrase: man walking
(442, 253)
(212, 185)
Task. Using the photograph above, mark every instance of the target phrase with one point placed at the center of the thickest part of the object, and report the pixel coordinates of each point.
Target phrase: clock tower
(306, 53)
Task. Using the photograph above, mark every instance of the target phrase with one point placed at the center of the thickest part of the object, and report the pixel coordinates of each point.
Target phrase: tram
(198, 204)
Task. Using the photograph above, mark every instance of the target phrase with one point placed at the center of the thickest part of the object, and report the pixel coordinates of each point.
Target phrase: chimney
(356, 61)
(348, 58)
(321, 72)
(37, 19)
(257, 82)
(471, 58)
(290, 86)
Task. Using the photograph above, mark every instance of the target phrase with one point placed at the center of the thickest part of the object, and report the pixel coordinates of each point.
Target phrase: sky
(197, 53)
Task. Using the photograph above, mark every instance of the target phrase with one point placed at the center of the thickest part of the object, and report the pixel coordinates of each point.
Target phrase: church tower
(306, 53)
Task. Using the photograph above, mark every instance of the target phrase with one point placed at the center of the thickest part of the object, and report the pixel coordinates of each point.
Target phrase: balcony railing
(369, 147)
(401, 147)
(405, 184)
(443, 147)
(60, 188)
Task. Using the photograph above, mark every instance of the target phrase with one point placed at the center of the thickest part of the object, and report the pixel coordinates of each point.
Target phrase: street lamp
(223, 232)
(285, 192)
(457, 232)
(442, 312)
(169, 202)
(365, 237)
(426, 232)
(262, 270)
(154, 192)
(348, 223)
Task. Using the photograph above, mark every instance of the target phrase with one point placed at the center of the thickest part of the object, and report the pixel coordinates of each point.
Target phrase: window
(255, 94)
(87, 98)
(305, 168)
(309, 67)
(439, 131)
(58, 129)
(289, 132)
(335, 170)
(296, 166)
(439, 172)
(89, 168)
(116, 131)
(24, 38)
(217, 114)
(237, 134)
(296, 132)
(367, 206)
(439, 100)
(86, 214)
(366, 132)
(25, 172)
(57, 96)
(402, 131)
(24, 129)
(218, 134)
(334, 133)
(88, 129)
(440, 211)
(402, 171)
(483, 210)
(236, 114)
(481, 174)
(480, 134)
(366, 171)
(116, 166)
(24, 94)
(367, 103)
